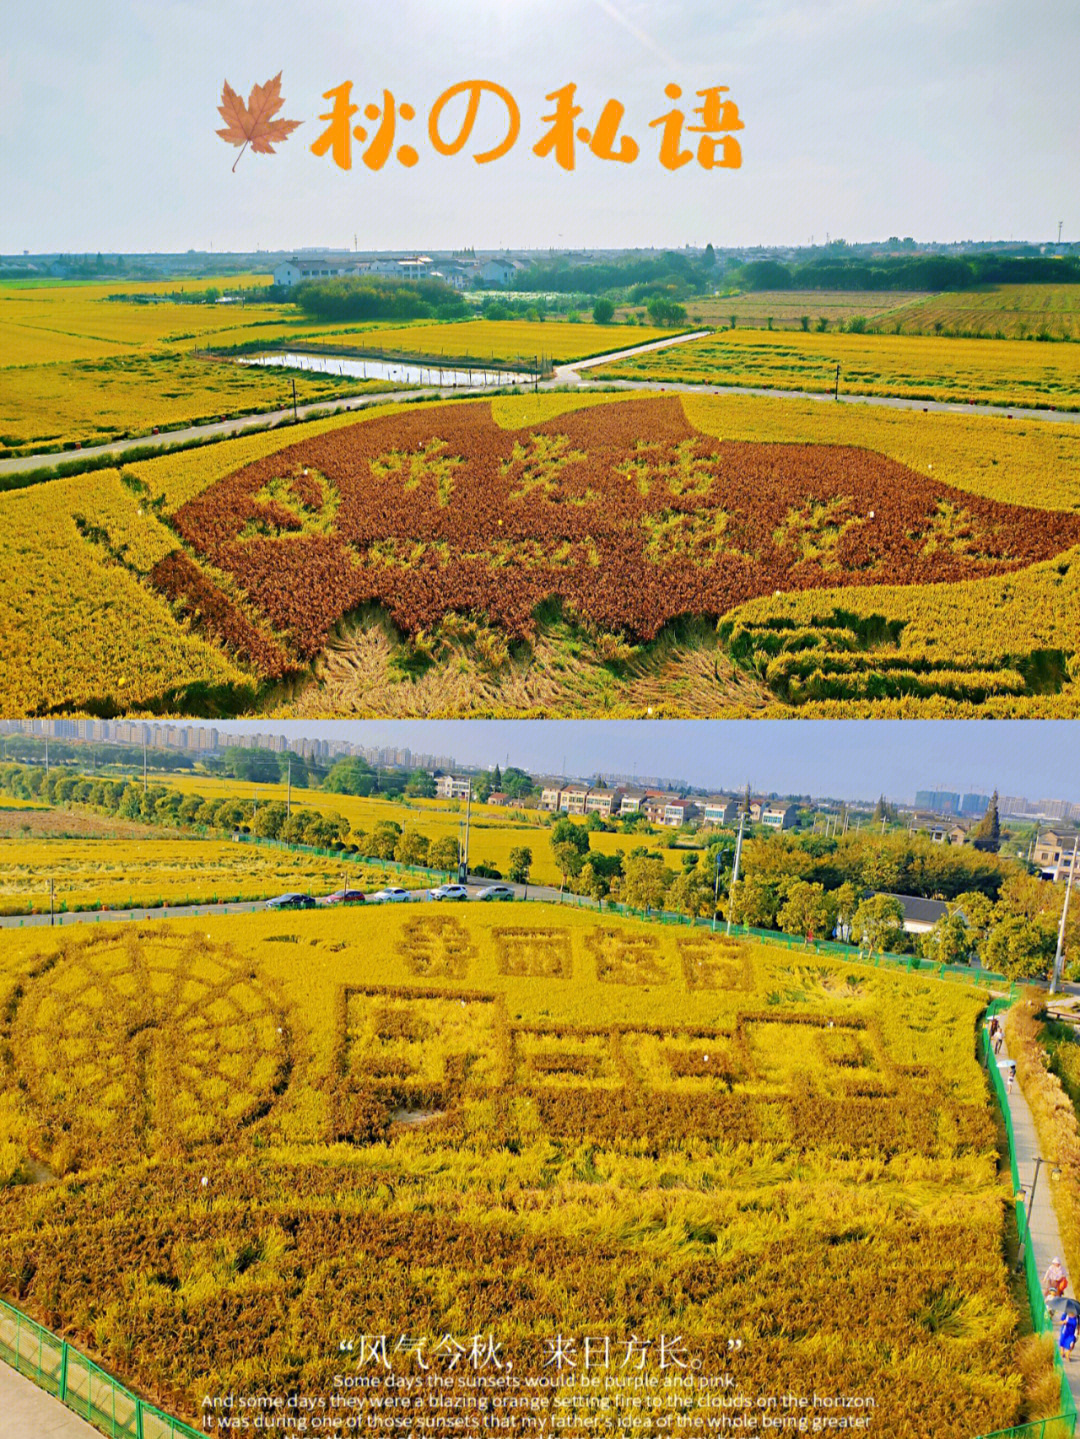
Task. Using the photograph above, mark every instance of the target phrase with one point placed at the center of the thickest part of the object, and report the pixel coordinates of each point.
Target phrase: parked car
(291, 901)
(346, 896)
(449, 891)
(391, 895)
(496, 891)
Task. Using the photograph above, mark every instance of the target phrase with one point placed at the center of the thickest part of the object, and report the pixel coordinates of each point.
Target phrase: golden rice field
(786, 308)
(494, 830)
(76, 555)
(131, 874)
(80, 367)
(1014, 312)
(516, 1123)
(501, 339)
(1004, 372)
(93, 401)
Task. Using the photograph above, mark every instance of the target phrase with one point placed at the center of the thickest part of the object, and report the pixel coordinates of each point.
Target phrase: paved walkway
(27, 1412)
(1045, 1236)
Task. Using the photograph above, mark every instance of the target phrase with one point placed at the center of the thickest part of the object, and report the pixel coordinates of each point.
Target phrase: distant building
(633, 801)
(780, 816)
(497, 272)
(498, 796)
(1053, 854)
(301, 269)
(679, 811)
(604, 802)
(938, 801)
(452, 786)
(551, 795)
(720, 809)
(573, 797)
(940, 831)
(920, 915)
(974, 805)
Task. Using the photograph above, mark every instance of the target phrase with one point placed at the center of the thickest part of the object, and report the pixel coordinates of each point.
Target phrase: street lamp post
(1055, 1173)
(1059, 954)
(735, 868)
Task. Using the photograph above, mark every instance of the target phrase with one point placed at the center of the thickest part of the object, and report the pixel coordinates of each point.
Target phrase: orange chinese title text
(711, 143)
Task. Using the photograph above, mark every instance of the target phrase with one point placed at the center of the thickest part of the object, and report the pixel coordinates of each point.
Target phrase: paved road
(254, 906)
(563, 375)
(27, 1412)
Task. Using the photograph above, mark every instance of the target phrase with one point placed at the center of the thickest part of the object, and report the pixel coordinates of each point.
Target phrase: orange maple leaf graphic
(253, 124)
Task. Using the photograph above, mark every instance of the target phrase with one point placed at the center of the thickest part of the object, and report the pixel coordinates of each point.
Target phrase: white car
(449, 891)
(496, 892)
(392, 895)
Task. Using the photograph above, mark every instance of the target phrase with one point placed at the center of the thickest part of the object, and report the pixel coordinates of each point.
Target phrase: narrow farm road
(1045, 1235)
(564, 375)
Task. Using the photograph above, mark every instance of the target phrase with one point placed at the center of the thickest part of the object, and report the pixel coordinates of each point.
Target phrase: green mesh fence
(80, 1384)
(1041, 1320)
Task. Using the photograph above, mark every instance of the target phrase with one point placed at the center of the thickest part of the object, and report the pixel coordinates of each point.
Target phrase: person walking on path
(1055, 1280)
(1067, 1340)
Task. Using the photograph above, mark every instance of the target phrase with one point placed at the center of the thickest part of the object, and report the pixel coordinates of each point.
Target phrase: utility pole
(735, 868)
(1060, 223)
(52, 902)
(836, 390)
(716, 891)
(46, 755)
(144, 769)
(1059, 955)
(288, 792)
(463, 867)
(294, 414)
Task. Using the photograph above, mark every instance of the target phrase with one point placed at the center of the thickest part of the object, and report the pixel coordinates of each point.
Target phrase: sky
(941, 119)
(845, 759)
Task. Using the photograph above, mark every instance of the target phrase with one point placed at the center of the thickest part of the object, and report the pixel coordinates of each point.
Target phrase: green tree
(878, 922)
(688, 894)
(977, 912)
(645, 881)
(420, 785)
(268, 821)
(807, 910)
(1019, 948)
(443, 853)
(949, 942)
(516, 783)
(412, 848)
(520, 865)
(569, 846)
(351, 776)
(987, 833)
(384, 838)
(664, 311)
(755, 901)
(603, 312)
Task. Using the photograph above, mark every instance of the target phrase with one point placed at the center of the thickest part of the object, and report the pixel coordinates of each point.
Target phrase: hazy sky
(945, 119)
(849, 759)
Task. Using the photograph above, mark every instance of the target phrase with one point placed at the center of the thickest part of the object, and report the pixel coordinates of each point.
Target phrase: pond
(361, 368)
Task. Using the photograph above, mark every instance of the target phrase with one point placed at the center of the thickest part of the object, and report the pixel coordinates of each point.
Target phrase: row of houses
(461, 274)
(660, 808)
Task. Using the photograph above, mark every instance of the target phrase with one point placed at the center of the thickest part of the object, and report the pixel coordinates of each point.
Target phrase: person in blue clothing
(1067, 1339)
